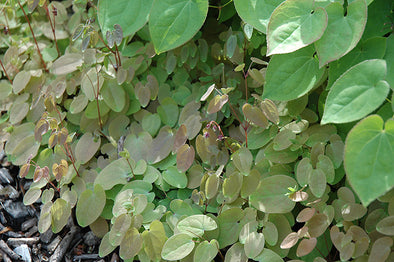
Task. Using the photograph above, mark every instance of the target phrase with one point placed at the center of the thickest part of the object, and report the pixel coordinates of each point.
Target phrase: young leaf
(206, 251)
(177, 247)
(196, 225)
(90, 205)
(60, 212)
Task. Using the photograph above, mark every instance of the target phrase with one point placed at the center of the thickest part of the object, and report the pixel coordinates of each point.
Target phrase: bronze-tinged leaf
(298, 196)
(347, 251)
(118, 34)
(62, 136)
(217, 103)
(24, 170)
(303, 232)
(32, 4)
(386, 226)
(37, 174)
(45, 172)
(381, 249)
(255, 115)
(336, 237)
(185, 157)
(306, 246)
(289, 241)
(41, 128)
(305, 214)
(317, 225)
(49, 104)
(270, 111)
(180, 138)
(52, 141)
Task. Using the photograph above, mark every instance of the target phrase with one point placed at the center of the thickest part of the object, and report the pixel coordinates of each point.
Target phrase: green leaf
(118, 230)
(206, 251)
(343, 32)
(256, 13)
(229, 226)
(131, 244)
(31, 195)
(113, 174)
(114, 95)
(196, 225)
(175, 178)
(105, 247)
(154, 240)
(151, 123)
(21, 144)
(294, 24)
(368, 158)
(231, 44)
(290, 76)
(255, 115)
(67, 63)
(389, 57)
(87, 147)
(270, 196)
(317, 182)
(90, 205)
(168, 111)
(173, 22)
(60, 212)
(372, 48)
(358, 92)
(243, 160)
(177, 247)
(254, 244)
(268, 255)
(130, 15)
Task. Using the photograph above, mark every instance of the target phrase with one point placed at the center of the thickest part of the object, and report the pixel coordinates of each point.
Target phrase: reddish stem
(5, 72)
(53, 28)
(34, 37)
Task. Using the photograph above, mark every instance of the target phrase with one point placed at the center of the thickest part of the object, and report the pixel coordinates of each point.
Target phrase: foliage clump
(195, 130)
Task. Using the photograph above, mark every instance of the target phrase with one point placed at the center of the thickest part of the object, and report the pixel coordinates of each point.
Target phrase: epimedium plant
(196, 130)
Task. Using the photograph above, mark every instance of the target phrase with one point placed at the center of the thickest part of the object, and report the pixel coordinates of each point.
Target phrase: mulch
(19, 236)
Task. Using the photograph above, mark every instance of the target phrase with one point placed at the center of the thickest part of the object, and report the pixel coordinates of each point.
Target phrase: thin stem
(53, 28)
(34, 37)
(5, 72)
(97, 96)
(131, 168)
(117, 52)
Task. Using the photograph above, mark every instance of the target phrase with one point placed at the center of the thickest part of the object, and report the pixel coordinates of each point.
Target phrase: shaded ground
(19, 236)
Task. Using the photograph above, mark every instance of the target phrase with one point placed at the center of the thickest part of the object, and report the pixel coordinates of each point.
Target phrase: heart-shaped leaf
(343, 32)
(358, 92)
(173, 22)
(368, 158)
(295, 24)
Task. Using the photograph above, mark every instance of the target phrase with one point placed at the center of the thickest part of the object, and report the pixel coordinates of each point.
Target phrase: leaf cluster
(182, 130)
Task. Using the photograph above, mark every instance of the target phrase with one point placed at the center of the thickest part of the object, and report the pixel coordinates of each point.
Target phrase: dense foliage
(193, 129)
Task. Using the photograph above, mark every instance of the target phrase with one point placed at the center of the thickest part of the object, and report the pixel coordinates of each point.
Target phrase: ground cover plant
(199, 130)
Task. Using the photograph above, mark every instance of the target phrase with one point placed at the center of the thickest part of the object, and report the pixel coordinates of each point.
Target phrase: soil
(19, 236)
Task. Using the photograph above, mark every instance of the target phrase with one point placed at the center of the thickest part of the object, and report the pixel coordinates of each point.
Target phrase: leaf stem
(5, 72)
(34, 37)
(52, 27)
